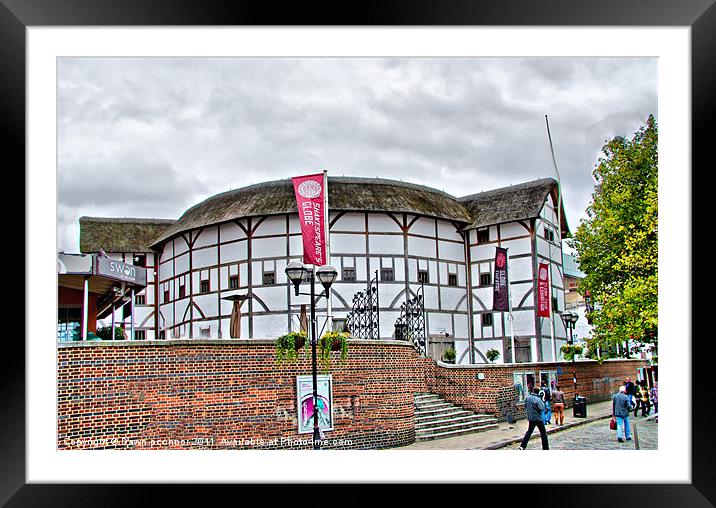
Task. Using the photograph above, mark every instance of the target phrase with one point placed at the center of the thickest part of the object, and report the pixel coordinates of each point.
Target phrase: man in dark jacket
(534, 407)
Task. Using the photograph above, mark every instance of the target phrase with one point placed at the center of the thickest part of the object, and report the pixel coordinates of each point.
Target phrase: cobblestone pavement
(596, 436)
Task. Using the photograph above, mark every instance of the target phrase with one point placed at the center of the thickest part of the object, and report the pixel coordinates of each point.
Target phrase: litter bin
(579, 410)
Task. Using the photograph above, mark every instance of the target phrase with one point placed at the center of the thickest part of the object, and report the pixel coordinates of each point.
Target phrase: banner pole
(512, 317)
(327, 231)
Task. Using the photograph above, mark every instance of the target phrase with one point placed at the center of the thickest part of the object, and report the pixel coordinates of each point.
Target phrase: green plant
(569, 351)
(492, 355)
(105, 333)
(333, 341)
(289, 345)
(449, 355)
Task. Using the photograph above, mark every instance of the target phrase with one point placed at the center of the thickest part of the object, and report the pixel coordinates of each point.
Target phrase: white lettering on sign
(122, 269)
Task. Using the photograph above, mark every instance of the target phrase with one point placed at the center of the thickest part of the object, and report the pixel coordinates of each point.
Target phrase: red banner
(310, 199)
(543, 303)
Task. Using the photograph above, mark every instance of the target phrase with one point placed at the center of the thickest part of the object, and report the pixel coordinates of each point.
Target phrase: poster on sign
(543, 303)
(310, 199)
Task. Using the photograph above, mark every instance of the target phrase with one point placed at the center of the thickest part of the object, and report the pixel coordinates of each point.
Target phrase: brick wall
(495, 394)
(227, 394)
(231, 394)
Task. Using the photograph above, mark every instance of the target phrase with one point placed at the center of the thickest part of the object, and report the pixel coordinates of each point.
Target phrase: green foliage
(326, 345)
(492, 355)
(288, 346)
(617, 245)
(105, 333)
(449, 355)
(569, 351)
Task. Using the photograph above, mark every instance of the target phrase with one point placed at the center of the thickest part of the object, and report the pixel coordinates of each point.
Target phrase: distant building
(573, 300)
(236, 245)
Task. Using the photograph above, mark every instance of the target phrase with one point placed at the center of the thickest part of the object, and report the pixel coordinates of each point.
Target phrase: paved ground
(594, 431)
(596, 436)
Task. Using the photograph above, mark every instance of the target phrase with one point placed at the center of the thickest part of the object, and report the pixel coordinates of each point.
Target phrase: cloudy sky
(152, 137)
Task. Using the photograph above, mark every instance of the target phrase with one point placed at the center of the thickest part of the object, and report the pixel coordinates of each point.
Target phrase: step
(447, 426)
(470, 418)
(435, 412)
(426, 396)
(435, 405)
(449, 413)
(453, 433)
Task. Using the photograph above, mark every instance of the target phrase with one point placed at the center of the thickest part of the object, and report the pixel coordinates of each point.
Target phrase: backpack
(544, 394)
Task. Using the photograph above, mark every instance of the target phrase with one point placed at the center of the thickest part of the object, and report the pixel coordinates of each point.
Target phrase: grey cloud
(188, 128)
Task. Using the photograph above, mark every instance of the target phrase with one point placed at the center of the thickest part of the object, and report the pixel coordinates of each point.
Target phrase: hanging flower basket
(333, 341)
(288, 346)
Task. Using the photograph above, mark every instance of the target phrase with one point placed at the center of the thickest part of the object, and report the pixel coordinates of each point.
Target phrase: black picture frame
(16, 15)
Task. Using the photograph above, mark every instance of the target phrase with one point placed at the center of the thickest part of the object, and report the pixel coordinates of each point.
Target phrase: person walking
(546, 397)
(620, 411)
(645, 403)
(637, 398)
(558, 404)
(534, 407)
(629, 390)
(655, 398)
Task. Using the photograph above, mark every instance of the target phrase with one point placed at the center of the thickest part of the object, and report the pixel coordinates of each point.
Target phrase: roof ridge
(128, 219)
(517, 186)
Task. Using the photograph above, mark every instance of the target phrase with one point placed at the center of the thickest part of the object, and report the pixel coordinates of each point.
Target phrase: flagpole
(559, 233)
(512, 317)
(327, 230)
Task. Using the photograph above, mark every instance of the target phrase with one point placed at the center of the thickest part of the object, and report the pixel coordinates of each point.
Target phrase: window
(349, 274)
(139, 300)
(166, 296)
(68, 324)
(162, 334)
(182, 291)
(487, 320)
(423, 276)
(139, 260)
(340, 325)
(269, 278)
(204, 333)
(140, 334)
(519, 383)
(549, 234)
(483, 235)
(485, 279)
(452, 279)
(524, 381)
(204, 286)
(386, 274)
(234, 282)
(554, 304)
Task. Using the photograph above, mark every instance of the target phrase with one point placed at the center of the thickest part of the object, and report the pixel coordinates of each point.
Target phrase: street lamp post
(569, 319)
(326, 274)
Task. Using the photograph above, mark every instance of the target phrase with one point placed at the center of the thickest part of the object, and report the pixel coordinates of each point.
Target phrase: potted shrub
(333, 341)
(449, 355)
(492, 355)
(288, 346)
(569, 351)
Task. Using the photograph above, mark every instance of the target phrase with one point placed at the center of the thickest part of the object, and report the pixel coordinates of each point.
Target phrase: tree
(617, 245)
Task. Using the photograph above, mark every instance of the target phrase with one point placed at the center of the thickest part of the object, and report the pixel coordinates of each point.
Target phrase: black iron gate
(411, 323)
(364, 319)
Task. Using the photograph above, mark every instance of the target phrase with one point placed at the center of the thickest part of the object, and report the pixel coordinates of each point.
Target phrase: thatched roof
(513, 203)
(516, 202)
(120, 234)
(346, 194)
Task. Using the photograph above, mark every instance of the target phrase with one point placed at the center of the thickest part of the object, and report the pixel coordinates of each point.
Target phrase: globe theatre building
(227, 255)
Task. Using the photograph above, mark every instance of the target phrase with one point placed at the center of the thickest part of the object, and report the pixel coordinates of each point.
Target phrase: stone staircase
(436, 418)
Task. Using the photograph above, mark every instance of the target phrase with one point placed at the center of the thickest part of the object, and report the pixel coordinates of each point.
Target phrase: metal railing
(636, 432)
